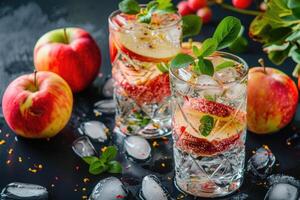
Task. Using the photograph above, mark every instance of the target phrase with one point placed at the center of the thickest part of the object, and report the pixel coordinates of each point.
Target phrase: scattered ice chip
(152, 189)
(110, 188)
(280, 178)
(137, 147)
(83, 147)
(227, 75)
(108, 88)
(105, 106)
(95, 130)
(261, 163)
(24, 191)
(282, 191)
(294, 141)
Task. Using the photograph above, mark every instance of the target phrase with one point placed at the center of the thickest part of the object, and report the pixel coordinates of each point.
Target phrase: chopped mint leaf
(114, 167)
(224, 65)
(207, 125)
(182, 60)
(208, 47)
(90, 159)
(98, 167)
(227, 31)
(191, 25)
(129, 7)
(210, 97)
(109, 154)
(163, 67)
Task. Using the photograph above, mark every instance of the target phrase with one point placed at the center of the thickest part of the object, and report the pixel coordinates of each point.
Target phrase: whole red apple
(71, 53)
(272, 100)
(37, 105)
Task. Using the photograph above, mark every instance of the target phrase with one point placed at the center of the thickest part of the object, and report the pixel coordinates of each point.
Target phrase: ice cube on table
(152, 189)
(95, 130)
(110, 188)
(137, 147)
(261, 163)
(24, 191)
(83, 147)
(108, 88)
(105, 106)
(227, 75)
(282, 191)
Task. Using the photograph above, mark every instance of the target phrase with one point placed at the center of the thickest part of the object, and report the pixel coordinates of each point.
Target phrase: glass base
(209, 177)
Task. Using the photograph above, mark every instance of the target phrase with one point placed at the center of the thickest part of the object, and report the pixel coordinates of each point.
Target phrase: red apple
(71, 53)
(37, 107)
(272, 100)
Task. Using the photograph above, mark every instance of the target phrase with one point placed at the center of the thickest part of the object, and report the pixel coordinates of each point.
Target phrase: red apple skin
(272, 100)
(77, 59)
(37, 113)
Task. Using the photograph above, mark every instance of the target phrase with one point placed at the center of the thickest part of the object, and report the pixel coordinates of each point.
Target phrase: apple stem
(34, 80)
(66, 36)
(262, 63)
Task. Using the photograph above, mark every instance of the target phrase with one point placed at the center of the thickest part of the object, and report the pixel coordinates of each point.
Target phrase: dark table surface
(21, 24)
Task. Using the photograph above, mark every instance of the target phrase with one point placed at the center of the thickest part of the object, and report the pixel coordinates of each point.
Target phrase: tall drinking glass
(209, 127)
(139, 54)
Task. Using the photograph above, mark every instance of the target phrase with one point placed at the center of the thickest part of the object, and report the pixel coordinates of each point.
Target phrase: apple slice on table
(37, 105)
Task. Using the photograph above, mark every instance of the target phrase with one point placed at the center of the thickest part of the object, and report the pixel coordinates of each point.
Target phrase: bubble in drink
(95, 130)
(282, 191)
(137, 147)
(83, 147)
(152, 189)
(261, 163)
(110, 188)
(108, 88)
(105, 106)
(24, 191)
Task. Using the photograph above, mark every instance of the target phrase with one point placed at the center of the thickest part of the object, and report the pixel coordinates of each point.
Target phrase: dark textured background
(21, 24)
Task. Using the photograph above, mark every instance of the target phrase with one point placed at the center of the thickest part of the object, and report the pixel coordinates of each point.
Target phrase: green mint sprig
(104, 163)
(191, 24)
(225, 34)
(207, 124)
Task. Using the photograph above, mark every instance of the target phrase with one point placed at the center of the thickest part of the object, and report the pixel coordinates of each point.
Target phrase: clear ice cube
(206, 80)
(282, 191)
(137, 147)
(261, 163)
(83, 147)
(226, 75)
(95, 130)
(108, 88)
(105, 106)
(152, 189)
(110, 188)
(236, 91)
(24, 191)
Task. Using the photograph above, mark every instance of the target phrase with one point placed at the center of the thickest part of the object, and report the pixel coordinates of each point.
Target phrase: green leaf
(191, 25)
(278, 57)
(109, 154)
(181, 60)
(207, 125)
(293, 37)
(224, 65)
(163, 67)
(210, 97)
(239, 45)
(208, 47)
(293, 3)
(204, 66)
(90, 159)
(114, 167)
(295, 54)
(129, 7)
(227, 31)
(196, 51)
(164, 4)
(98, 167)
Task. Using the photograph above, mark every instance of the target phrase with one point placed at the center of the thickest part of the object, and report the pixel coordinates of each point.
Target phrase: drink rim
(116, 12)
(222, 54)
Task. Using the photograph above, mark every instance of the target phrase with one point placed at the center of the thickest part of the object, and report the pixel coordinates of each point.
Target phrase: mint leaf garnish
(104, 163)
(208, 47)
(227, 31)
(191, 25)
(129, 7)
(163, 67)
(204, 66)
(181, 60)
(207, 125)
(224, 65)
